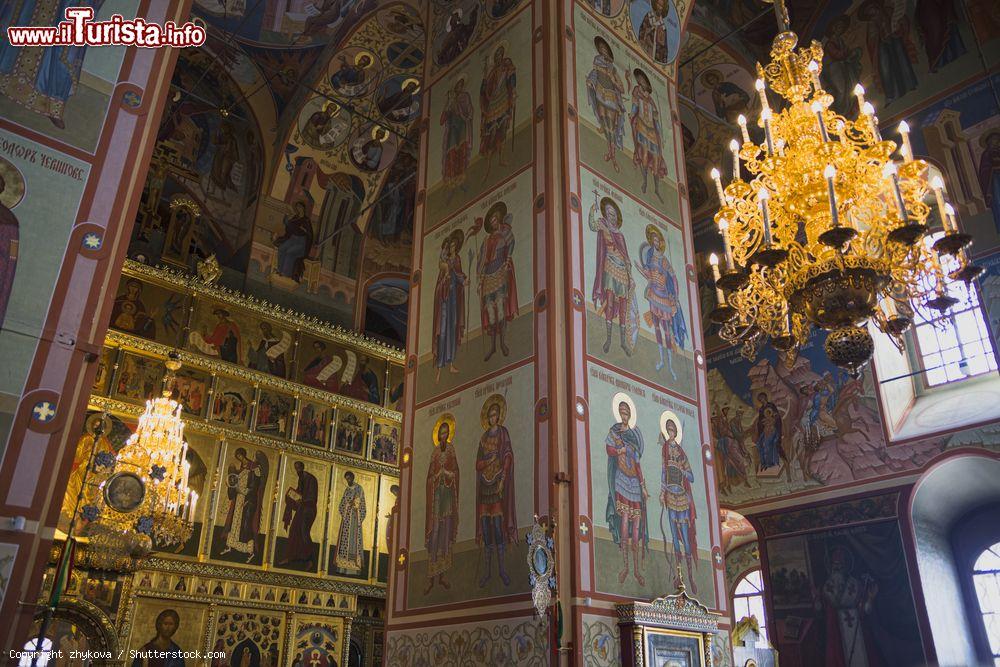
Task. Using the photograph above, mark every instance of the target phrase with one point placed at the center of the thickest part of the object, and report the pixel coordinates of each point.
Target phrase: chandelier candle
(859, 92)
(718, 186)
(741, 120)
(904, 132)
(831, 172)
(869, 110)
(937, 185)
(949, 218)
(813, 68)
(720, 297)
(734, 146)
(762, 197)
(724, 230)
(765, 119)
(891, 172)
(817, 108)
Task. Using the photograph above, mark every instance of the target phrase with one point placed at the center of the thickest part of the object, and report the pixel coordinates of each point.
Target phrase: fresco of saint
(458, 31)
(728, 98)
(841, 64)
(449, 303)
(130, 314)
(654, 33)
(769, 436)
(269, 355)
(223, 341)
(496, 280)
(352, 79)
(166, 624)
(295, 243)
(626, 508)
(676, 496)
(456, 140)
(729, 448)
(322, 370)
(41, 79)
(890, 49)
(605, 92)
(350, 552)
(647, 133)
(246, 480)
(298, 518)
(441, 524)
(614, 288)
(497, 102)
(663, 294)
(496, 519)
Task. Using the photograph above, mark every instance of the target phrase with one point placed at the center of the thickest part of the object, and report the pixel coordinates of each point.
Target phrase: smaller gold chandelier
(827, 230)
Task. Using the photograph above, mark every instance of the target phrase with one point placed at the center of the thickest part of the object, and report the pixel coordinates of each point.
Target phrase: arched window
(954, 345)
(986, 579)
(43, 656)
(748, 600)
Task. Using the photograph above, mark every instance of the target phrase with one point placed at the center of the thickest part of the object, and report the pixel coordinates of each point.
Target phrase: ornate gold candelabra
(822, 227)
(147, 503)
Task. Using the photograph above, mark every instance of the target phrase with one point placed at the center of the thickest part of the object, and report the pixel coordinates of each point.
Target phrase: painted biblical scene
(138, 378)
(202, 188)
(385, 442)
(38, 208)
(339, 370)
(274, 413)
(202, 455)
(191, 388)
(317, 641)
(477, 291)
(782, 427)
(63, 93)
(241, 521)
(472, 497)
(312, 424)
(649, 498)
(167, 626)
(149, 311)
(248, 637)
(480, 120)
(904, 53)
(302, 514)
(351, 432)
(351, 528)
(626, 132)
(638, 306)
(388, 500)
(960, 134)
(241, 338)
(656, 26)
(232, 402)
(843, 596)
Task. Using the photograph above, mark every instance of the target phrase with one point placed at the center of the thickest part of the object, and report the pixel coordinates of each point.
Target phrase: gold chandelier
(147, 503)
(821, 227)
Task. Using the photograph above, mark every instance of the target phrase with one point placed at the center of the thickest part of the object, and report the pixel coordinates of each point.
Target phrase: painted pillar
(555, 363)
(73, 166)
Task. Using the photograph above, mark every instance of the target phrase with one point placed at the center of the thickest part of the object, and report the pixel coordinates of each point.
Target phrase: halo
(503, 43)
(711, 71)
(375, 132)
(983, 140)
(357, 58)
(13, 179)
(608, 200)
(458, 235)
(448, 419)
(666, 416)
(331, 108)
(640, 73)
(618, 399)
(495, 399)
(597, 46)
(463, 77)
(502, 207)
(653, 230)
(408, 80)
